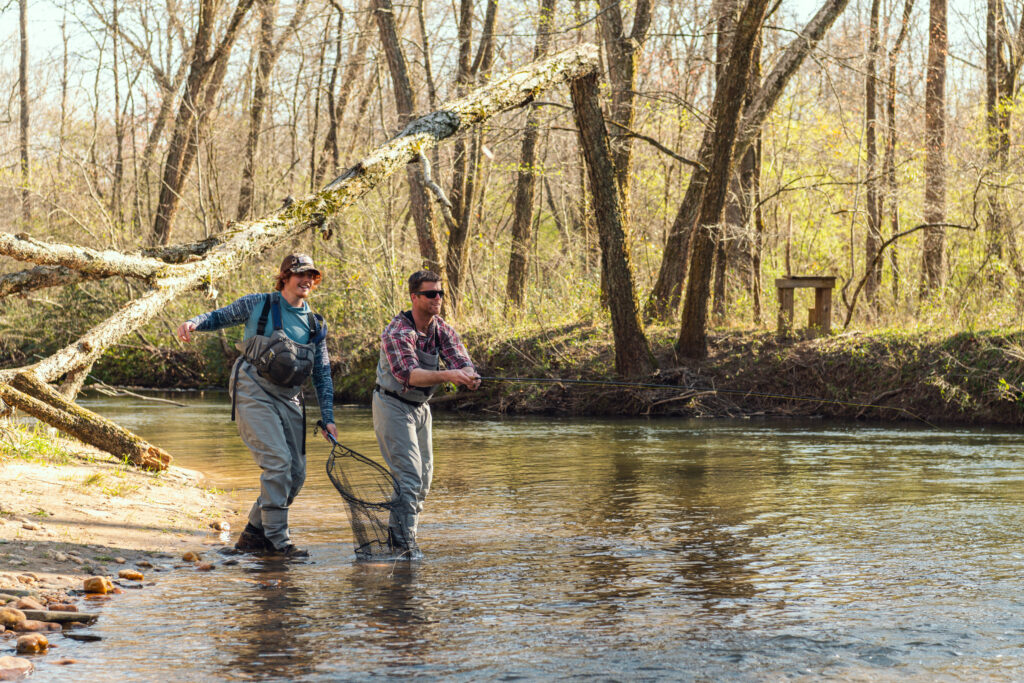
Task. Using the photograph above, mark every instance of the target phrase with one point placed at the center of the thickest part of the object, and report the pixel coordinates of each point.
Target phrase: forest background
(888, 158)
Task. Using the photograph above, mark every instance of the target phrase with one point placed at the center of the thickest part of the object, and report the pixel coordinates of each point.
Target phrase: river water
(662, 549)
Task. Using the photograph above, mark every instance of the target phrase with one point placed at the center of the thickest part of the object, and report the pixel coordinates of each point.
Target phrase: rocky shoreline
(78, 528)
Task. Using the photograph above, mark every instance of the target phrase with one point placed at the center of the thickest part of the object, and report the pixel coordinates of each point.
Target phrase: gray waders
(271, 422)
(402, 422)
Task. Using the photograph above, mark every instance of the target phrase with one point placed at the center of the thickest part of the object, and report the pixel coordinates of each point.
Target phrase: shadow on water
(630, 549)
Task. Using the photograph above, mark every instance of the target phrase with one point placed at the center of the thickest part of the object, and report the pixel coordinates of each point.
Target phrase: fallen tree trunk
(27, 388)
(84, 425)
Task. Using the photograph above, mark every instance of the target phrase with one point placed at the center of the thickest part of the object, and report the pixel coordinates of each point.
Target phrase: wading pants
(403, 432)
(270, 424)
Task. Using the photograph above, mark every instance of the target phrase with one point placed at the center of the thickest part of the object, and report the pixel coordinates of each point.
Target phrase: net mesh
(369, 491)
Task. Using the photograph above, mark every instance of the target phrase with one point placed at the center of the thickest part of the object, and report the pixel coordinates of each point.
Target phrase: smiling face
(298, 286)
(422, 302)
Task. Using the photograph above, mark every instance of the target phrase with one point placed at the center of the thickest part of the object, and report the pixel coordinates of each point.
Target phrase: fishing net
(369, 491)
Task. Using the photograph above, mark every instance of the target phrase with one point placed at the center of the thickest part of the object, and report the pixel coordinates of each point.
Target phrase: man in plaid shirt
(412, 347)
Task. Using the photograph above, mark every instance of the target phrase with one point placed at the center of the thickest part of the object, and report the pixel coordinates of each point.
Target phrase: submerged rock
(13, 668)
(32, 644)
(131, 575)
(98, 585)
(205, 567)
(191, 556)
(145, 564)
(34, 626)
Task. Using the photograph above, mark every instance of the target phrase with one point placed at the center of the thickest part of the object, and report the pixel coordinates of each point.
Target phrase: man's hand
(467, 377)
(185, 331)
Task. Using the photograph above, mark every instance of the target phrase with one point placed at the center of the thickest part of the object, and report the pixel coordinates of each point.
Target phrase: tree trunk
(405, 103)
(726, 109)
(934, 248)
(889, 171)
(664, 297)
(873, 238)
(177, 275)
(466, 164)
(201, 87)
(26, 205)
(622, 51)
(632, 353)
(526, 181)
(339, 97)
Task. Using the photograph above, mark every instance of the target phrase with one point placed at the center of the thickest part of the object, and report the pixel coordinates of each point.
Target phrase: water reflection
(270, 623)
(663, 549)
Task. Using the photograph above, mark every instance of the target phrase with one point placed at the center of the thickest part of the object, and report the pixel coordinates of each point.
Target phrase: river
(630, 549)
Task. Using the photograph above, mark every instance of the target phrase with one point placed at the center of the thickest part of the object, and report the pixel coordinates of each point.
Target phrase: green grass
(32, 443)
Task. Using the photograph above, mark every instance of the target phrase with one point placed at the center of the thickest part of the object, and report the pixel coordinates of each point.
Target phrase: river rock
(220, 525)
(28, 603)
(11, 617)
(65, 661)
(191, 556)
(32, 643)
(60, 617)
(30, 526)
(36, 626)
(145, 564)
(62, 607)
(131, 575)
(13, 668)
(98, 585)
(205, 567)
(120, 560)
(28, 579)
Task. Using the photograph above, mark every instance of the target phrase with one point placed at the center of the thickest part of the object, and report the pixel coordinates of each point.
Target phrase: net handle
(323, 430)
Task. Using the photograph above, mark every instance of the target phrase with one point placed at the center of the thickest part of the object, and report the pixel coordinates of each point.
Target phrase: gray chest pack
(277, 358)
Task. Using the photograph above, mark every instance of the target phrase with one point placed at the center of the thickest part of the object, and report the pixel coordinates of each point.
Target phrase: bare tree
(269, 52)
(622, 51)
(934, 247)
(405, 103)
(726, 110)
(889, 163)
(664, 297)
(632, 353)
(466, 161)
(338, 95)
(526, 179)
(26, 206)
(873, 238)
(205, 77)
(1004, 55)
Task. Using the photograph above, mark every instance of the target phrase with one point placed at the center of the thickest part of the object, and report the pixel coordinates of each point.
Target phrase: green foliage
(32, 442)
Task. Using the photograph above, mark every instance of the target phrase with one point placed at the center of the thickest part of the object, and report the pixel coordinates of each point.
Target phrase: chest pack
(277, 357)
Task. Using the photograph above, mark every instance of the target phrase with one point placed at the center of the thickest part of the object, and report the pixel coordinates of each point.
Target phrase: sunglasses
(431, 293)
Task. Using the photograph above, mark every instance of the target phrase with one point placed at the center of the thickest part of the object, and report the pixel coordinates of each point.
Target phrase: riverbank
(890, 375)
(69, 512)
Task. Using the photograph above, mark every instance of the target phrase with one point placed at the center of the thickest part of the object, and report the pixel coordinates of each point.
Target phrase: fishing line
(735, 392)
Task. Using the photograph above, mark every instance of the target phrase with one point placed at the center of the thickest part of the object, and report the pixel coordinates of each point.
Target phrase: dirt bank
(891, 375)
(68, 511)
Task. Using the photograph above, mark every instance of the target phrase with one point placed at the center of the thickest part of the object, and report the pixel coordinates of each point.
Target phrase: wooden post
(785, 309)
(823, 308)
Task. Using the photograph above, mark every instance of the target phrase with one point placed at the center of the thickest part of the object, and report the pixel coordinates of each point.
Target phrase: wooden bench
(819, 317)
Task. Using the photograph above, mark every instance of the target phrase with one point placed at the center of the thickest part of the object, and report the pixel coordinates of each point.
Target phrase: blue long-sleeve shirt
(293, 320)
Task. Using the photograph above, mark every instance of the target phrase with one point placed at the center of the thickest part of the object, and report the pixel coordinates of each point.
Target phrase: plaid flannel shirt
(400, 341)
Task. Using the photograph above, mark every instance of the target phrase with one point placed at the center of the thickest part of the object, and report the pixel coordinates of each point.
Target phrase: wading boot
(252, 540)
(289, 552)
